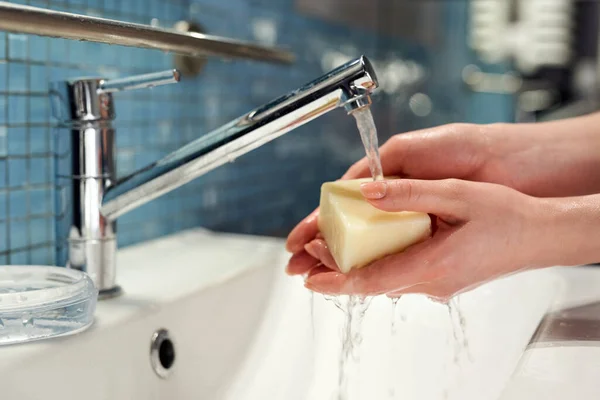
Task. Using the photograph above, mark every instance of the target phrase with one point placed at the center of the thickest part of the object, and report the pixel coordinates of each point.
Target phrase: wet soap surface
(358, 233)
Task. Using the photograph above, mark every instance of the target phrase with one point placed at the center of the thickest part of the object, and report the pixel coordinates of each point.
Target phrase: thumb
(439, 197)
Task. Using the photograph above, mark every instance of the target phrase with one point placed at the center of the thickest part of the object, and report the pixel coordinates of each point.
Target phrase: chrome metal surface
(578, 325)
(85, 168)
(38, 21)
(90, 199)
(90, 99)
(159, 338)
(115, 291)
(140, 81)
(348, 85)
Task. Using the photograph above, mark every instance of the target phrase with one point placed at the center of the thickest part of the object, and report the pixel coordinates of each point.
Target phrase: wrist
(568, 231)
(551, 159)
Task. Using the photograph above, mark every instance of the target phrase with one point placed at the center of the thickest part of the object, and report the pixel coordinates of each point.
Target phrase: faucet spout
(348, 86)
(89, 196)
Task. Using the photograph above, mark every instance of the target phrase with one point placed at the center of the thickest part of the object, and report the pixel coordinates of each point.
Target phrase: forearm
(570, 233)
(560, 158)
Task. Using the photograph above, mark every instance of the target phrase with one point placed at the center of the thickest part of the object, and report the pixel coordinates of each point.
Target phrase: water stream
(368, 134)
(354, 307)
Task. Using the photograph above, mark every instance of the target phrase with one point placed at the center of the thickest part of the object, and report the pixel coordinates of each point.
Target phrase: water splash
(368, 134)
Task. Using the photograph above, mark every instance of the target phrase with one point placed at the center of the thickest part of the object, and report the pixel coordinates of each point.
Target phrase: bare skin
(503, 198)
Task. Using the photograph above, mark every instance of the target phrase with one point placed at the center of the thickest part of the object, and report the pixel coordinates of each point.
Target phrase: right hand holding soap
(358, 233)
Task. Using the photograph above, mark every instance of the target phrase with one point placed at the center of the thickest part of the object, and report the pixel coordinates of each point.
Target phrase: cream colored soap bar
(358, 233)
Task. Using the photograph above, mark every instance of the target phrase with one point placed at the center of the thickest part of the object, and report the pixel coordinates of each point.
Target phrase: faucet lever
(139, 81)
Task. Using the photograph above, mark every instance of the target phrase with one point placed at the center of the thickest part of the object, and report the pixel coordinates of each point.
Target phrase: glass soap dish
(38, 302)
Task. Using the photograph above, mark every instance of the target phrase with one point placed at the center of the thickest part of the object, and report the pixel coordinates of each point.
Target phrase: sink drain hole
(162, 353)
(166, 353)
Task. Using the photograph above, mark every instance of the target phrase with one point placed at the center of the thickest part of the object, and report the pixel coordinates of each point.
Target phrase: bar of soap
(358, 233)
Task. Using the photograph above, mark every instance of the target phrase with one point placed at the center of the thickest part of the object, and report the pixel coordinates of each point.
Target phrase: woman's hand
(553, 159)
(482, 231)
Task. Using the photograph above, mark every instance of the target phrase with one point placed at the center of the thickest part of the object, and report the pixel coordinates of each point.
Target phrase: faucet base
(113, 292)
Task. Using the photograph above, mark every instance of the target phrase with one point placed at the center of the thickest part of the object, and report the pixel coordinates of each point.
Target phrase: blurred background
(439, 61)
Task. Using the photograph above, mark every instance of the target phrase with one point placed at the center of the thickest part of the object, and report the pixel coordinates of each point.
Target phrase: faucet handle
(139, 81)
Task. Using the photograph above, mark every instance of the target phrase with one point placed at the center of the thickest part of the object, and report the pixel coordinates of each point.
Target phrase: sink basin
(241, 329)
(563, 359)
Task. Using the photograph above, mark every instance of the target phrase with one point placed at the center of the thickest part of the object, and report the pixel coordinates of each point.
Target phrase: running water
(368, 134)
(459, 325)
(354, 308)
(393, 343)
(312, 316)
(393, 325)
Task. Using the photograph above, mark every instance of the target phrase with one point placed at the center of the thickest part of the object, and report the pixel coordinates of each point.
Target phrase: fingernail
(374, 190)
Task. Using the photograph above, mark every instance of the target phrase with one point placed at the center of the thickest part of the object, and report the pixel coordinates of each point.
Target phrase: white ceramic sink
(243, 330)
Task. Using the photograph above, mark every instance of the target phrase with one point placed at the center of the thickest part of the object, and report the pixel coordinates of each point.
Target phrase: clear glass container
(38, 302)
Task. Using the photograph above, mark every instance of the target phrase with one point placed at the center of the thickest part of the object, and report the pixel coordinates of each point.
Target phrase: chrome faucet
(90, 198)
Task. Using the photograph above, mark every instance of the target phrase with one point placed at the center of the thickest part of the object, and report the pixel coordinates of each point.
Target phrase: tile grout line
(28, 147)
(9, 255)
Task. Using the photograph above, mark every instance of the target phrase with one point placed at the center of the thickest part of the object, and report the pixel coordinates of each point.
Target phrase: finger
(394, 295)
(300, 263)
(303, 233)
(331, 282)
(416, 289)
(446, 197)
(418, 265)
(437, 291)
(319, 250)
(319, 269)
(432, 153)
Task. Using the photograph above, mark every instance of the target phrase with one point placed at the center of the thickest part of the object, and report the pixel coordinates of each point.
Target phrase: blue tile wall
(264, 192)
